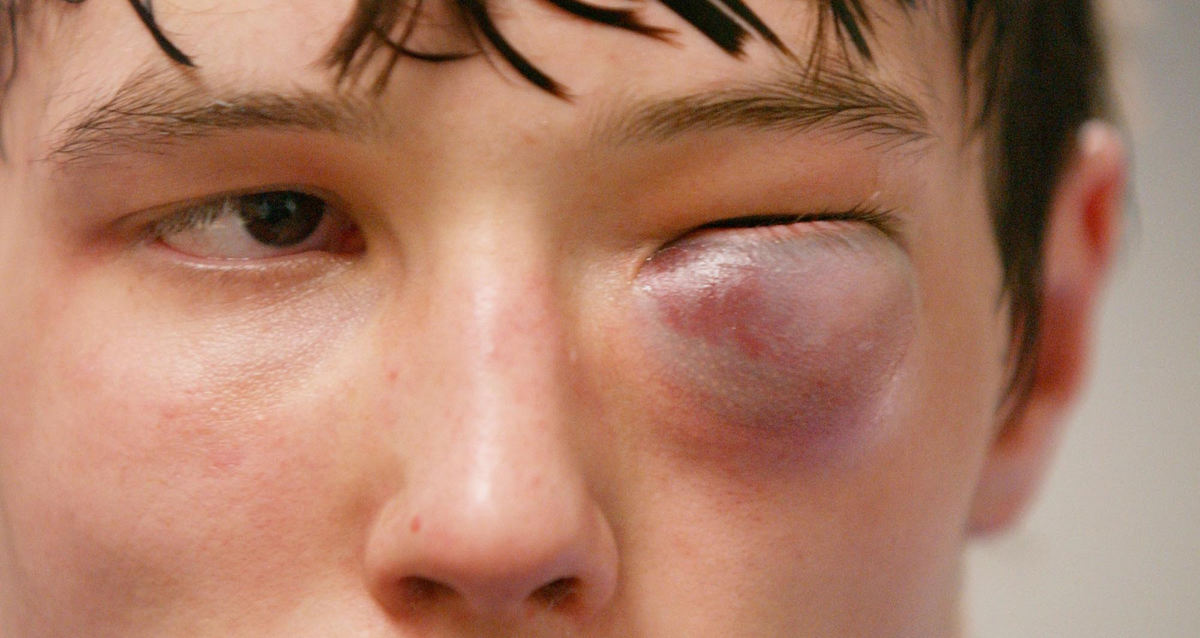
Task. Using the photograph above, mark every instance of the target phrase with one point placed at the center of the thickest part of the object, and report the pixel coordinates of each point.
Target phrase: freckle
(415, 524)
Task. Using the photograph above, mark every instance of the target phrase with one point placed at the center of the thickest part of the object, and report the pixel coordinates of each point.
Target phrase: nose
(495, 518)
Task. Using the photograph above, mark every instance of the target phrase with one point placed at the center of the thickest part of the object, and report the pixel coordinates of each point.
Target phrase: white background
(1112, 548)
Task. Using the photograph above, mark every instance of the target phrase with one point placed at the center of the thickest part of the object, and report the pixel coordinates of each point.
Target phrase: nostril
(421, 592)
(556, 593)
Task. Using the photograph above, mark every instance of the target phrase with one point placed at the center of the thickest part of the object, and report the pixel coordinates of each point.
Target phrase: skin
(527, 396)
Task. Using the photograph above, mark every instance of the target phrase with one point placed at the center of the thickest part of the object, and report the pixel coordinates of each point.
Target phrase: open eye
(258, 226)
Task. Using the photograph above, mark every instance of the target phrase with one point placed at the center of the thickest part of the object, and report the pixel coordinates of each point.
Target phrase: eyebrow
(156, 109)
(799, 100)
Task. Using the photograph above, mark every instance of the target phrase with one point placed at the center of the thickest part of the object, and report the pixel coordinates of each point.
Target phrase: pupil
(282, 218)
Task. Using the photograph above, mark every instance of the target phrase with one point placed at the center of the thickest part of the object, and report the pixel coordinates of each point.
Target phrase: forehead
(273, 45)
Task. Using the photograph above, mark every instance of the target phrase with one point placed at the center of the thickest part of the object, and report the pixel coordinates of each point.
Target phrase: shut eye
(789, 226)
(884, 220)
(258, 226)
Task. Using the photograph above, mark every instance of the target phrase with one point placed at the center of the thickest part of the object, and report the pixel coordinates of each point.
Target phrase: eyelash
(883, 219)
(189, 218)
(782, 227)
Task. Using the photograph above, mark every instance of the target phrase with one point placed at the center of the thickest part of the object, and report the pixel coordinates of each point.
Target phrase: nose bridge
(496, 512)
(507, 326)
(508, 362)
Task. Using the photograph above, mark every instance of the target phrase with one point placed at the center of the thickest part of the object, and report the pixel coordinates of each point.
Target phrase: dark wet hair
(1037, 66)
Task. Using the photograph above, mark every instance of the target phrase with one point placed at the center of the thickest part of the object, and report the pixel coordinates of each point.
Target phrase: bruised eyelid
(801, 337)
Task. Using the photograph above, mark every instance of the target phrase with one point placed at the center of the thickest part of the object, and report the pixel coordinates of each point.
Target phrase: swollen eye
(281, 218)
(801, 331)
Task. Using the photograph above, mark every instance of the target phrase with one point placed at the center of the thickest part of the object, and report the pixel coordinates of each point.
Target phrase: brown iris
(281, 218)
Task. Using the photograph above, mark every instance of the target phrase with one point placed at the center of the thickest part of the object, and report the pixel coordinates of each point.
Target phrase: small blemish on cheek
(414, 525)
(803, 334)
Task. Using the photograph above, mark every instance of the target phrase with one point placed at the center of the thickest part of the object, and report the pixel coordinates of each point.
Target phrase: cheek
(158, 442)
(213, 403)
(799, 337)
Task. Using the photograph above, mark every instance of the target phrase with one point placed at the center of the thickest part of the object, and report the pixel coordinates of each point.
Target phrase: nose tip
(497, 565)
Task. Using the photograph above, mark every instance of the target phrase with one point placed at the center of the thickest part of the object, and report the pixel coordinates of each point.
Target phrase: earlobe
(1083, 224)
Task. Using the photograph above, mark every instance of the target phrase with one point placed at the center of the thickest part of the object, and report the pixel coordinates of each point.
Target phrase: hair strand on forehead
(724, 22)
(619, 18)
(481, 19)
(146, 15)
(8, 56)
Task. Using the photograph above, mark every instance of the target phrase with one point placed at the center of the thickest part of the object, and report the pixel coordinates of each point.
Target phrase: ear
(1084, 219)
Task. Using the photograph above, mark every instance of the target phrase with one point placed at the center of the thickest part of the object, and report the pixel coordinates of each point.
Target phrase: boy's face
(516, 381)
